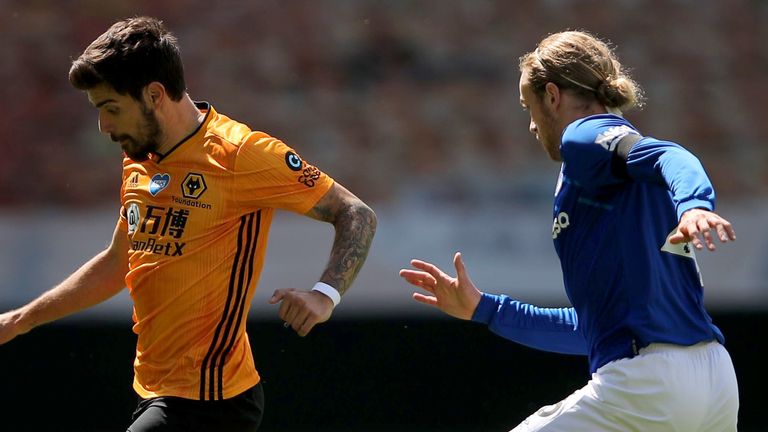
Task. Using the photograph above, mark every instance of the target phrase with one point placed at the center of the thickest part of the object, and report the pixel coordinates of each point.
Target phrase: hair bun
(614, 92)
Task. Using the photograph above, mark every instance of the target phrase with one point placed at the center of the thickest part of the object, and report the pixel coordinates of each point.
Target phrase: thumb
(461, 270)
(278, 295)
(677, 237)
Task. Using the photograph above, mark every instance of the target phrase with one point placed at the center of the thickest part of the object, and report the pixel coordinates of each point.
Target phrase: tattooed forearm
(355, 228)
(355, 225)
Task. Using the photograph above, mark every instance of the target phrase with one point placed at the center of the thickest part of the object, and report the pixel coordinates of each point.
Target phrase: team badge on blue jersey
(681, 249)
(158, 183)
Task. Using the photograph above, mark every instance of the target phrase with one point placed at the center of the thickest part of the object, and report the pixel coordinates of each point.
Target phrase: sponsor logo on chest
(158, 183)
(561, 222)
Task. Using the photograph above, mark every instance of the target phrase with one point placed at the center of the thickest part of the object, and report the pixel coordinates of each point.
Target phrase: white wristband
(328, 290)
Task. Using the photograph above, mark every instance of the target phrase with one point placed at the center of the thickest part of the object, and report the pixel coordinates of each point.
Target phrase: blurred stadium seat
(402, 99)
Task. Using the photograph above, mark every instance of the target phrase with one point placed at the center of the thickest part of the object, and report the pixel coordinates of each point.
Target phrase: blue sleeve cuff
(693, 203)
(486, 308)
(549, 329)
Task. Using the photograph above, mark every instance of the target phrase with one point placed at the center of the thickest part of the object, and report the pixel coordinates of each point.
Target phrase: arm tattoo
(355, 225)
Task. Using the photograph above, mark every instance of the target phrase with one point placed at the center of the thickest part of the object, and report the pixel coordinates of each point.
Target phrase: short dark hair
(130, 55)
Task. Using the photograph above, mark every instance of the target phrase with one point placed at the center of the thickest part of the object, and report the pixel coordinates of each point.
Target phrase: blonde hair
(579, 61)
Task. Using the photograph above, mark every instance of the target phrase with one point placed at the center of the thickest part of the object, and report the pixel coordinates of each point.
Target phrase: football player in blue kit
(629, 212)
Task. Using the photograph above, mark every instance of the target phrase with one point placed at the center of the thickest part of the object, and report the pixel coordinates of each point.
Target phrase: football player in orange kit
(198, 194)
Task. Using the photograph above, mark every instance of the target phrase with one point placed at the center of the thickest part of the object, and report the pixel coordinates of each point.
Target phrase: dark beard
(136, 150)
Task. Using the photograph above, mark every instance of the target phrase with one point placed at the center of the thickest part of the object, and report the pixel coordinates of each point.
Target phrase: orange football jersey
(197, 220)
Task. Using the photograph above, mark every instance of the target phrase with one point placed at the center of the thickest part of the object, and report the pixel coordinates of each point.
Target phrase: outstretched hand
(696, 226)
(456, 296)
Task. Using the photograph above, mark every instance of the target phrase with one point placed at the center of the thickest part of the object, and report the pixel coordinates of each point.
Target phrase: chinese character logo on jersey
(158, 183)
(309, 175)
(193, 186)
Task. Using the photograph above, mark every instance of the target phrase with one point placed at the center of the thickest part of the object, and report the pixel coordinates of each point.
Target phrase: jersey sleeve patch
(610, 138)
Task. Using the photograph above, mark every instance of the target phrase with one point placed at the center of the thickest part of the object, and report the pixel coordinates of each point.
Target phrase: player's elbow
(368, 215)
(357, 218)
(363, 215)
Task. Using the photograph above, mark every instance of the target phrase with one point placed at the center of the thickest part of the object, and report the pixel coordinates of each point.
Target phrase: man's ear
(552, 95)
(154, 94)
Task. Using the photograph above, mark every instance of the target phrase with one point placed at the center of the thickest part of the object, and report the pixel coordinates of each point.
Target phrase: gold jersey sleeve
(271, 174)
(197, 221)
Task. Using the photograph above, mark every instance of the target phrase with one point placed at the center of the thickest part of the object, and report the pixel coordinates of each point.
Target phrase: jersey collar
(209, 114)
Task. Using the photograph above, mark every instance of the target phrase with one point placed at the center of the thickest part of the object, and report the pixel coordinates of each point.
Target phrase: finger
(705, 231)
(279, 294)
(299, 320)
(412, 276)
(419, 279)
(291, 315)
(417, 275)
(409, 272)
(428, 300)
(307, 326)
(678, 237)
(725, 231)
(305, 329)
(429, 268)
(423, 286)
(425, 266)
(285, 309)
(729, 229)
(722, 234)
(693, 235)
(276, 297)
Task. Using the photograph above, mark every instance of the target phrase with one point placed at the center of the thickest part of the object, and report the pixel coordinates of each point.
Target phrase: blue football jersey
(628, 285)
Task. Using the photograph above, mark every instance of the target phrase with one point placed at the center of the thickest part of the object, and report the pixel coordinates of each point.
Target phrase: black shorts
(241, 413)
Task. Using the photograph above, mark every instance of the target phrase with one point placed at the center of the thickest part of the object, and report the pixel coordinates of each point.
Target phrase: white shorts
(664, 388)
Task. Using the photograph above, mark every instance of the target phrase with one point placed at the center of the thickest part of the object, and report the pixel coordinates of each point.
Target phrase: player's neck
(181, 120)
(575, 111)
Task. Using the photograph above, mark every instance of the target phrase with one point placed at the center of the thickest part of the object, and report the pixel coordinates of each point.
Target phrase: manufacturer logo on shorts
(549, 410)
(158, 183)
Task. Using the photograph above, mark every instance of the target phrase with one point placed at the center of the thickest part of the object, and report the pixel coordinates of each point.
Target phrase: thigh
(581, 411)
(154, 415)
(624, 395)
(242, 413)
(665, 388)
(723, 409)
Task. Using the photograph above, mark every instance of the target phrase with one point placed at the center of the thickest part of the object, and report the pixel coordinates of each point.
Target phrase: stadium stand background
(414, 106)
